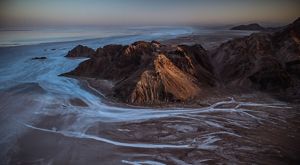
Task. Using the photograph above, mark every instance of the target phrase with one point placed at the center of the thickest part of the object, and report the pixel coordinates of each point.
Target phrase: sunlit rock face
(264, 60)
(149, 72)
(80, 51)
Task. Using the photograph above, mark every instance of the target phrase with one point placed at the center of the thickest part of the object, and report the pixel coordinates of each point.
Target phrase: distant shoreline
(22, 38)
(60, 42)
(194, 38)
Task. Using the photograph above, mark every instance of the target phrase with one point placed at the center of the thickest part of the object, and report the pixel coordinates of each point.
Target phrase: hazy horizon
(20, 13)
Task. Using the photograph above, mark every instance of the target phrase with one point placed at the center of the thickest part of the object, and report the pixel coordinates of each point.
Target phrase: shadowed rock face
(265, 60)
(149, 72)
(81, 51)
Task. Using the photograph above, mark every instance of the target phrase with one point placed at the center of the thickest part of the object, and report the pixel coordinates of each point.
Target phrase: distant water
(29, 36)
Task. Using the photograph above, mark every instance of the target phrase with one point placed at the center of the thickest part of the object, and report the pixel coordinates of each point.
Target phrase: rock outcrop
(39, 58)
(81, 51)
(149, 72)
(264, 60)
(146, 73)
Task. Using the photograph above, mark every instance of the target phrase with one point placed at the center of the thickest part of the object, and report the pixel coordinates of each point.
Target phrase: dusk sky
(146, 12)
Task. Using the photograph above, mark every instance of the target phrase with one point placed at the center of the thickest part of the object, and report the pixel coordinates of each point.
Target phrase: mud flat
(231, 131)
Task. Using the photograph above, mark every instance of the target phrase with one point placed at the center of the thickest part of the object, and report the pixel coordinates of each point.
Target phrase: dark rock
(270, 75)
(81, 51)
(39, 58)
(265, 60)
(293, 67)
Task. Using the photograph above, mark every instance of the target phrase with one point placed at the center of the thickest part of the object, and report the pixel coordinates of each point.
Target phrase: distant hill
(253, 26)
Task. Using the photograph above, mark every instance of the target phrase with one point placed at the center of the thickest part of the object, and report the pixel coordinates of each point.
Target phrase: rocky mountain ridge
(153, 73)
(149, 72)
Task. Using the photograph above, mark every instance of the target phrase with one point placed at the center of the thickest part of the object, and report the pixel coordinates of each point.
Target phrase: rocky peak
(81, 51)
(149, 72)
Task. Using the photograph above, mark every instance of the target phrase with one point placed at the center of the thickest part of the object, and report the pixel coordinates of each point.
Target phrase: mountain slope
(149, 72)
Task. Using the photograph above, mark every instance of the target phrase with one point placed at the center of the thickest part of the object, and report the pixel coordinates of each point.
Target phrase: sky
(146, 12)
